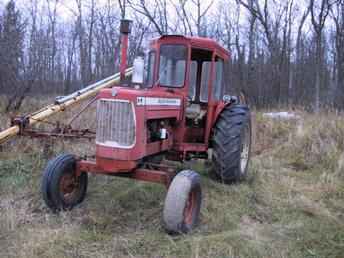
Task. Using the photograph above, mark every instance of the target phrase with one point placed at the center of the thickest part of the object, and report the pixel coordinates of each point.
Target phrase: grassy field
(292, 205)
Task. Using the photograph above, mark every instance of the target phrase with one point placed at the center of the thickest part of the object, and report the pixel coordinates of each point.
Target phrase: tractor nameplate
(151, 101)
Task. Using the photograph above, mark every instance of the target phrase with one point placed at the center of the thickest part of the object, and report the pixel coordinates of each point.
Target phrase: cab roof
(195, 42)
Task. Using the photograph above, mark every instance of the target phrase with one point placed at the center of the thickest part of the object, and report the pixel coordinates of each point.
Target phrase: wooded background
(284, 53)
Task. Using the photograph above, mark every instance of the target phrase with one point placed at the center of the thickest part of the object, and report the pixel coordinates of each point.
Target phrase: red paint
(105, 166)
(190, 207)
(126, 169)
(124, 53)
(155, 176)
(116, 160)
(220, 106)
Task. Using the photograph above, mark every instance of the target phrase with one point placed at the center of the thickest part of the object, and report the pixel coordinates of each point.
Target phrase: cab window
(172, 65)
(199, 74)
(217, 86)
(150, 69)
(206, 66)
(193, 80)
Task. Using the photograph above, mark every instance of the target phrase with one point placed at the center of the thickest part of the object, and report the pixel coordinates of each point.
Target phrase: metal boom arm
(62, 103)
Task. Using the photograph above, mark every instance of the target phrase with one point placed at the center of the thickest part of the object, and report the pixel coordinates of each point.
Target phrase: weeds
(292, 204)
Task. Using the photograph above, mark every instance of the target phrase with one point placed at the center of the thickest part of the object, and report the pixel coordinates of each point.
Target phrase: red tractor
(177, 112)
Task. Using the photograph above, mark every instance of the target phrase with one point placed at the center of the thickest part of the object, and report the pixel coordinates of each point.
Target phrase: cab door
(198, 95)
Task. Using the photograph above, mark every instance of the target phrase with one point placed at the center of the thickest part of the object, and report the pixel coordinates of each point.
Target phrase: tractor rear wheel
(62, 189)
(183, 203)
(232, 144)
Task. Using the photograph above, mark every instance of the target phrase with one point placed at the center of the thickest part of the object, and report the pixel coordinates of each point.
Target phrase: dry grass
(291, 206)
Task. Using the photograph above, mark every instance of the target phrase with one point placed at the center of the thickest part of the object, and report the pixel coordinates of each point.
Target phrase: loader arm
(62, 103)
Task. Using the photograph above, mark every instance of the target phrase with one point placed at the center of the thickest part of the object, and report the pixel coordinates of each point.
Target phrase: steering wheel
(188, 101)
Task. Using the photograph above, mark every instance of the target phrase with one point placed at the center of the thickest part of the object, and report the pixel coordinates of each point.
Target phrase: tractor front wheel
(62, 189)
(183, 203)
(232, 144)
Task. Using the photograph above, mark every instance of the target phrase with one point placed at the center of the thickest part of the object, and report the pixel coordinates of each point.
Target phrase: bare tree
(200, 16)
(319, 12)
(156, 14)
(183, 16)
(271, 23)
(338, 18)
(91, 25)
(52, 15)
(70, 58)
(298, 38)
(273, 52)
(11, 48)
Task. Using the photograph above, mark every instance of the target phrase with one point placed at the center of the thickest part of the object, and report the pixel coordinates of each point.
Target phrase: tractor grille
(115, 123)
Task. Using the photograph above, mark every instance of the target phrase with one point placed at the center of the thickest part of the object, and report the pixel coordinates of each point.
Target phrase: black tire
(45, 186)
(61, 189)
(183, 203)
(232, 144)
(155, 159)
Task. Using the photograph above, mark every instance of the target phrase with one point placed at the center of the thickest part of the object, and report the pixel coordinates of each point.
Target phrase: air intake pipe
(125, 30)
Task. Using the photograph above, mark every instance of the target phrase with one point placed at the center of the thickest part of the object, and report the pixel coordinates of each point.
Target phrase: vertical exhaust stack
(125, 31)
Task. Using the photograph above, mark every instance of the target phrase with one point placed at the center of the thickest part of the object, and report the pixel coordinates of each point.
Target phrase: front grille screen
(115, 123)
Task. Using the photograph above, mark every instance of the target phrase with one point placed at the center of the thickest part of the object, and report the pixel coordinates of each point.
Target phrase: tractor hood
(157, 100)
(122, 118)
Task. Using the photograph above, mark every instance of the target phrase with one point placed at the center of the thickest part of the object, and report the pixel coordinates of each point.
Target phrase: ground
(292, 204)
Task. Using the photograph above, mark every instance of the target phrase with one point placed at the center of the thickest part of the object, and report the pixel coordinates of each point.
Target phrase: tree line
(284, 53)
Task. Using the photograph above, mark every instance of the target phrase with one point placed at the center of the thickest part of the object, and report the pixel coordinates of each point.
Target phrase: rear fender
(220, 107)
(227, 101)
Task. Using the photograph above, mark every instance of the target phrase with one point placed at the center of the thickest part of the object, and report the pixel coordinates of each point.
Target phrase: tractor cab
(194, 68)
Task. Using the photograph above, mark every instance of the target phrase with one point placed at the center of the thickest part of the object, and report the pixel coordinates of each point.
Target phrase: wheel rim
(189, 208)
(245, 149)
(69, 186)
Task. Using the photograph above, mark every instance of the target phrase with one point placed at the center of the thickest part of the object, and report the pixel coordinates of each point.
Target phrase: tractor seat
(194, 111)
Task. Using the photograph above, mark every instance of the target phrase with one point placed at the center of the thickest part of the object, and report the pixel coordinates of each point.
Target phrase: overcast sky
(65, 6)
